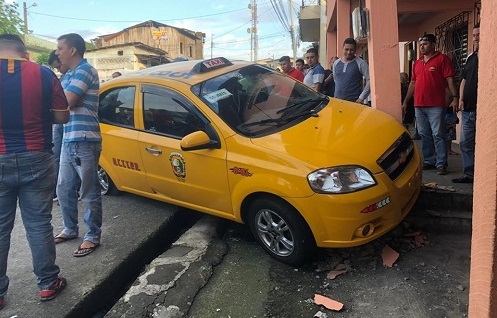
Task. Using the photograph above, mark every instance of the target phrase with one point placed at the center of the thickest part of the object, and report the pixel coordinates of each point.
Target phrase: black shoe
(441, 170)
(427, 166)
(463, 179)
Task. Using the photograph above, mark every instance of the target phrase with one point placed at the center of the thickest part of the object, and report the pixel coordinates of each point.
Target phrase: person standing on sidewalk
(58, 129)
(81, 147)
(431, 74)
(31, 99)
(314, 76)
(351, 75)
(467, 104)
(286, 67)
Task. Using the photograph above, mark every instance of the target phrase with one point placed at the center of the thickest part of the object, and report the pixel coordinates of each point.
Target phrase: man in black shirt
(467, 104)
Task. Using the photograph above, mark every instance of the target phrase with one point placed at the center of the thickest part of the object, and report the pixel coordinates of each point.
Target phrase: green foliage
(10, 20)
(43, 58)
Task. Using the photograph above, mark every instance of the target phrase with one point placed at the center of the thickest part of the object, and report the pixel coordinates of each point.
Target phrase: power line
(134, 21)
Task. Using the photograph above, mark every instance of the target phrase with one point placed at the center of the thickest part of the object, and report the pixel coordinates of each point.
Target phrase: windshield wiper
(281, 120)
(261, 122)
(296, 105)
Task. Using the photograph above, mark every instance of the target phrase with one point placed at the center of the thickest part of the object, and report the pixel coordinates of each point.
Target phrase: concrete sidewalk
(131, 226)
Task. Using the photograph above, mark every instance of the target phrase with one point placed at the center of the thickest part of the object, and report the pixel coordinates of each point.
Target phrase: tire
(107, 186)
(281, 231)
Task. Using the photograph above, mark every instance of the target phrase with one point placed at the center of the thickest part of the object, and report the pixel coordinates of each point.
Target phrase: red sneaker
(2, 303)
(54, 290)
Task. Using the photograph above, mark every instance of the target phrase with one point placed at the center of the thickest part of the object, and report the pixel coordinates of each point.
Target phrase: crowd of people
(430, 100)
(56, 155)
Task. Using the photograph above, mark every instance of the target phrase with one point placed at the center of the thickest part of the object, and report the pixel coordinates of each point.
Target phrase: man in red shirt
(432, 73)
(286, 67)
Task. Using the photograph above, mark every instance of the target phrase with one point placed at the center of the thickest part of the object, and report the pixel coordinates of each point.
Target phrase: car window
(116, 106)
(255, 100)
(168, 112)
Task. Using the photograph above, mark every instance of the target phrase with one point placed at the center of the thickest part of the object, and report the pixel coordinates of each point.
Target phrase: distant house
(125, 58)
(143, 45)
(177, 42)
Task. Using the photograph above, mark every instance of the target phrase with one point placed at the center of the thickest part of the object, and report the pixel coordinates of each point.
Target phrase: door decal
(178, 165)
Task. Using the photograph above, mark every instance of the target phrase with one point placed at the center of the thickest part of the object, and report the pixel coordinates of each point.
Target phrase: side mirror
(197, 140)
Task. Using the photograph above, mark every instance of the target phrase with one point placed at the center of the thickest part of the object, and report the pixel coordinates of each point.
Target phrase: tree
(43, 58)
(10, 20)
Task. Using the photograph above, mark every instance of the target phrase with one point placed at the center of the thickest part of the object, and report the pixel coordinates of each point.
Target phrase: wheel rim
(275, 233)
(103, 179)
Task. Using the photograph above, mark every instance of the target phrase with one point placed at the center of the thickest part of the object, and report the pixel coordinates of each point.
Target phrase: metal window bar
(476, 12)
(452, 39)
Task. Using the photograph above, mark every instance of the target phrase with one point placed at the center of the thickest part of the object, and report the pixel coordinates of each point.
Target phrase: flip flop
(59, 238)
(83, 251)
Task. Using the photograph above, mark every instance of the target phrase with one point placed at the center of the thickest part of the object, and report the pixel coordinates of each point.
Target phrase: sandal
(83, 251)
(61, 238)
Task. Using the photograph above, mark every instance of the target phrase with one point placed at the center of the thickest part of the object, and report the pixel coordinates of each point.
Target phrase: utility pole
(292, 32)
(256, 37)
(254, 43)
(25, 11)
(212, 43)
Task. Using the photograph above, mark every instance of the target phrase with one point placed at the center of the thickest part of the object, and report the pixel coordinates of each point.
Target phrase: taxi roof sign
(211, 64)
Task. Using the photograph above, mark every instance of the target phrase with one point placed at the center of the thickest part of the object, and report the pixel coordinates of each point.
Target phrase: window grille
(452, 39)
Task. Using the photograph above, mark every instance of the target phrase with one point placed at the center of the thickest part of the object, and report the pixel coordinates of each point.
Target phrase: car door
(120, 156)
(197, 178)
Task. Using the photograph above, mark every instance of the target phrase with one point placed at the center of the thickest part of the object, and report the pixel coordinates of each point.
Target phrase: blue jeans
(28, 176)
(467, 143)
(431, 127)
(79, 161)
(57, 133)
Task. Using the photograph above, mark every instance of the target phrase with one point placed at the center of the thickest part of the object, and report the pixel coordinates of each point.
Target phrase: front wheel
(281, 231)
(107, 186)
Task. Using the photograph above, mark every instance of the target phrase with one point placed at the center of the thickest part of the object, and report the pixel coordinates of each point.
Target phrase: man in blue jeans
(58, 129)
(31, 99)
(432, 73)
(467, 103)
(81, 147)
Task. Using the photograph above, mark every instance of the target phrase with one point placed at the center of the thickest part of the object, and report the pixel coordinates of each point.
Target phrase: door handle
(154, 151)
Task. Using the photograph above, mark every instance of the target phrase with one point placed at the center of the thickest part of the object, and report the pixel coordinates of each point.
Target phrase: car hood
(344, 134)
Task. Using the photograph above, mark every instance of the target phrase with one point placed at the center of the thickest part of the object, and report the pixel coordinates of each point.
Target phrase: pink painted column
(331, 46)
(483, 278)
(383, 49)
(343, 23)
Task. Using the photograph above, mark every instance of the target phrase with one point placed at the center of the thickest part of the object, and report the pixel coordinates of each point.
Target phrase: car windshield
(255, 100)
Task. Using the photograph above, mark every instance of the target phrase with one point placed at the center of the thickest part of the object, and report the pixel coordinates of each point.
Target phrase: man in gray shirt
(351, 75)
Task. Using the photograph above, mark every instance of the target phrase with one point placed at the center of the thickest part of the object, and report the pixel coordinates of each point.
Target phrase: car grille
(395, 160)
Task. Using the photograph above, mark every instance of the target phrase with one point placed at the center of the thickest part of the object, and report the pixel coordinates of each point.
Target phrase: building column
(483, 278)
(331, 46)
(343, 22)
(383, 52)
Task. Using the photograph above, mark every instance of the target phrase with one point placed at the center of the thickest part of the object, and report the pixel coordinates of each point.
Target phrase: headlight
(343, 179)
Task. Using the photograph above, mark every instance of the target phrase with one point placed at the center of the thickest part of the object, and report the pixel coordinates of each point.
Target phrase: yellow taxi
(243, 142)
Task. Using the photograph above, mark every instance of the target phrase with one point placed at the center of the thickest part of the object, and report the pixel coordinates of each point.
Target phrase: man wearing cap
(288, 69)
(431, 74)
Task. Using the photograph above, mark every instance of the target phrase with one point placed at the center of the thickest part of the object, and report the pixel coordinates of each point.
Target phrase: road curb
(443, 211)
(169, 284)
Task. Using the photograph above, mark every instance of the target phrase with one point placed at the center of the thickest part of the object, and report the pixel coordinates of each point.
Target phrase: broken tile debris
(327, 302)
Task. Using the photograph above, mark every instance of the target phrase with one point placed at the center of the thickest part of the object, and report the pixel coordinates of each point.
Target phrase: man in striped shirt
(81, 147)
(31, 99)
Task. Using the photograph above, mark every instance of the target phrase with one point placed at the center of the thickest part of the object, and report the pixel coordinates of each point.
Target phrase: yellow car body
(271, 161)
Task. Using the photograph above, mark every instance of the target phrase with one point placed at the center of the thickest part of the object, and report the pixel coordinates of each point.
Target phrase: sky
(225, 23)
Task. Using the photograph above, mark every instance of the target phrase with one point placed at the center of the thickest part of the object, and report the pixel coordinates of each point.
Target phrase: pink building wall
(483, 281)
